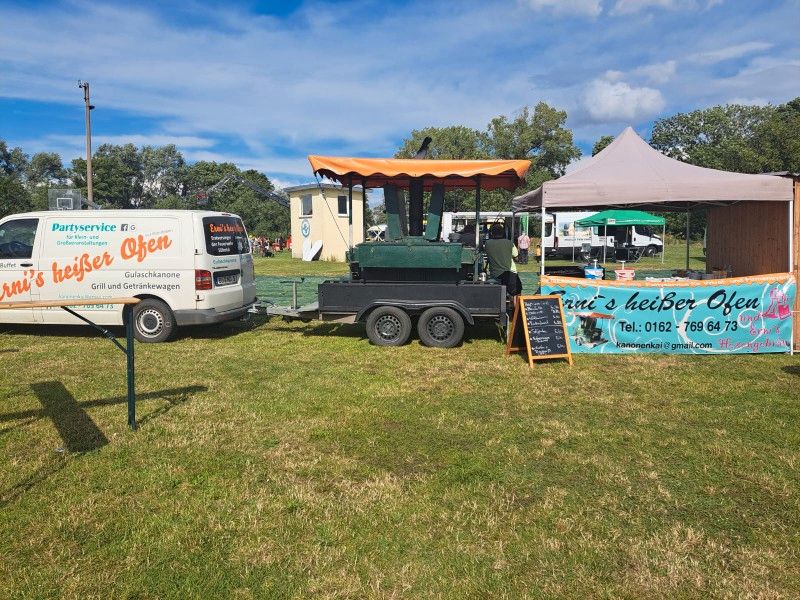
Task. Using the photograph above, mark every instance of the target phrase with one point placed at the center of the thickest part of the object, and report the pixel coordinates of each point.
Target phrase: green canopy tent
(624, 218)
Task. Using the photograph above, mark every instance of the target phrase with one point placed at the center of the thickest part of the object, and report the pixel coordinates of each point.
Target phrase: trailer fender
(417, 307)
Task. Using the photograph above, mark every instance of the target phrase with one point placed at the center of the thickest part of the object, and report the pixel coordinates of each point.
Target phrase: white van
(188, 267)
(564, 239)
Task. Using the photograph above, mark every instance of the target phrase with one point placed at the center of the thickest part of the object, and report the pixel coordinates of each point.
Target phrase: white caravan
(188, 267)
(460, 226)
(563, 239)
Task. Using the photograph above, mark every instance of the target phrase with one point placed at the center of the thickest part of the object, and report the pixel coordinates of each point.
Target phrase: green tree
(45, 170)
(13, 161)
(164, 173)
(14, 197)
(778, 139)
(601, 144)
(454, 143)
(538, 135)
(720, 137)
(116, 176)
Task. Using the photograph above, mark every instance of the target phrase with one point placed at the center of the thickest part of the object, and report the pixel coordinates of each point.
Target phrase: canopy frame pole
(350, 211)
(605, 243)
(363, 208)
(663, 240)
(478, 227)
(688, 221)
(541, 244)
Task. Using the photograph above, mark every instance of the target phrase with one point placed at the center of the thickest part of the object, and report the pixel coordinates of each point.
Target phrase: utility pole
(84, 85)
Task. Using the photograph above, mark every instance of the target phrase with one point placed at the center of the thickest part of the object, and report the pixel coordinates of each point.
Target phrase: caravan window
(16, 238)
(548, 229)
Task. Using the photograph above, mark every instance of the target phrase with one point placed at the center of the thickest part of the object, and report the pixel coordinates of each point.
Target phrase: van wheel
(440, 327)
(651, 251)
(388, 326)
(152, 321)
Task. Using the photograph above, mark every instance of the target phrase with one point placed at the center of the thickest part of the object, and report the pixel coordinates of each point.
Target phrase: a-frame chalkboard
(538, 327)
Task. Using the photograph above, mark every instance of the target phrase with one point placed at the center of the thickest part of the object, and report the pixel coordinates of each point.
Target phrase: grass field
(279, 460)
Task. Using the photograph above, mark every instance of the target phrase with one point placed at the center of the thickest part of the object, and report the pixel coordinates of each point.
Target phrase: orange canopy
(376, 172)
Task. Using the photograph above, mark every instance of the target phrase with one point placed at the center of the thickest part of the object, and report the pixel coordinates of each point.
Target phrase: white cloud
(591, 8)
(749, 101)
(657, 72)
(730, 52)
(614, 101)
(626, 7)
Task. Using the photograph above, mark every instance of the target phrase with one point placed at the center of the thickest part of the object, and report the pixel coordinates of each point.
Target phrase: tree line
(733, 137)
(125, 176)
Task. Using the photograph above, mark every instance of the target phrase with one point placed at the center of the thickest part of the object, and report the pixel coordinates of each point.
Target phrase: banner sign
(742, 315)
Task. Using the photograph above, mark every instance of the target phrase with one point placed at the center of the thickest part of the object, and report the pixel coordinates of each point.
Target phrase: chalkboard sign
(538, 327)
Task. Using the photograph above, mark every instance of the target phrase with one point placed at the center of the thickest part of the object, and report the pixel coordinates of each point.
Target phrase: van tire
(651, 250)
(153, 321)
(388, 326)
(440, 327)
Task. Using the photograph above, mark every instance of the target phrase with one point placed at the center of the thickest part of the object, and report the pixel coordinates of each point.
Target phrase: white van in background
(564, 239)
(188, 267)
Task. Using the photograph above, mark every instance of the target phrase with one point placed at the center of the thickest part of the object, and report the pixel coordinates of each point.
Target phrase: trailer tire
(388, 326)
(152, 321)
(440, 327)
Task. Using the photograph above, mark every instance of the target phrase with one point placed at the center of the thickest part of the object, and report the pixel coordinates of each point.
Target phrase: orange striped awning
(463, 174)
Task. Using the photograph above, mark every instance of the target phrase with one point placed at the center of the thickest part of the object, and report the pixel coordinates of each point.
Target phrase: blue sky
(263, 84)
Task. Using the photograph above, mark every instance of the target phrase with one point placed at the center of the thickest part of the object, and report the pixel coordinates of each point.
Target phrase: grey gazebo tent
(629, 173)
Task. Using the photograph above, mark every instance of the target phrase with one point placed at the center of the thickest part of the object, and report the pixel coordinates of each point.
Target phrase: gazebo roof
(630, 172)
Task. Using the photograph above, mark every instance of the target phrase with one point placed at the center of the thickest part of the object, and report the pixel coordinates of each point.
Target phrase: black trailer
(412, 274)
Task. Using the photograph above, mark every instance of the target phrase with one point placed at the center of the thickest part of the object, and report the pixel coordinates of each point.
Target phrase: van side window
(16, 238)
(225, 236)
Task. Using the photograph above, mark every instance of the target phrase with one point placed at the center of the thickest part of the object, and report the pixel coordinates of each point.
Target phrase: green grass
(282, 460)
(282, 263)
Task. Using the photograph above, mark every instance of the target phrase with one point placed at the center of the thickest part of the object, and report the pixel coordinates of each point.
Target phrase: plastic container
(593, 271)
(625, 274)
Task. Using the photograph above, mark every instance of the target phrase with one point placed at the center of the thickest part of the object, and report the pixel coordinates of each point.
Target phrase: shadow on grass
(357, 331)
(206, 332)
(173, 397)
(79, 331)
(791, 369)
(219, 331)
(78, 431)
(9, 350)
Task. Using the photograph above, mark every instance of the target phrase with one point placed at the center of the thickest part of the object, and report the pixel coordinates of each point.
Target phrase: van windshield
(225, 236)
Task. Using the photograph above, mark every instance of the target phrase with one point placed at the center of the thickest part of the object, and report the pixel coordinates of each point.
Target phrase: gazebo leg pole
(541, 244)
(605, 243)
(688, 215)
(663, 240)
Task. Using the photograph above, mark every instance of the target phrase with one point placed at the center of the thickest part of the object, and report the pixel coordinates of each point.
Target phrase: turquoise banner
(743, 315)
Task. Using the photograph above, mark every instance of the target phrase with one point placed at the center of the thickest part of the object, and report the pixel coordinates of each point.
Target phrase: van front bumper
(208, 316)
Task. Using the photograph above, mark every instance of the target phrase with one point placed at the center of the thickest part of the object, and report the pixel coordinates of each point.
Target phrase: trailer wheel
(152, 321)
(440, 327)
(388, 326)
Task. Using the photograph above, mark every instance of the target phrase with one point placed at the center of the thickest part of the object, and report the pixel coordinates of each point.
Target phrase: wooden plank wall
(751, 237)
(796, 234)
